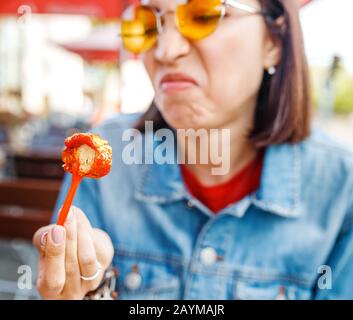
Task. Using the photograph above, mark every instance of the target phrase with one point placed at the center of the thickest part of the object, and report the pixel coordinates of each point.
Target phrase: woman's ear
(273, 47)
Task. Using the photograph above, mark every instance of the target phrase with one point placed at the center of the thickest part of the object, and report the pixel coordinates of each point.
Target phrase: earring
(271, 70)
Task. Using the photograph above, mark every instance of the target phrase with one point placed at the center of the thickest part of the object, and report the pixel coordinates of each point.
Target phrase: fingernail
(43, 238)
(57, 234)
(70, 215)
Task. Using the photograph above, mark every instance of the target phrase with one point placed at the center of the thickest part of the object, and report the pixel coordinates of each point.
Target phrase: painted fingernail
(57, 234)
(43, 238)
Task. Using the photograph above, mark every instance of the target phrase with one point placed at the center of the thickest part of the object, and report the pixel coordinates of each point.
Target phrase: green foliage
(344, 92)
(343, 85)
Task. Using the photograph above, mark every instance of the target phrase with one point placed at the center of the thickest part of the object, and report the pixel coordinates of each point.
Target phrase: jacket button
(190, 204)
(133, 280)
(208, 256)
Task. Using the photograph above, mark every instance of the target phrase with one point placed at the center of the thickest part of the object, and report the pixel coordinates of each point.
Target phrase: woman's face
(226, 67)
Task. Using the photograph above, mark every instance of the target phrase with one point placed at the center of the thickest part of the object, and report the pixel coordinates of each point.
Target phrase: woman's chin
(182, 117)
(186, 123)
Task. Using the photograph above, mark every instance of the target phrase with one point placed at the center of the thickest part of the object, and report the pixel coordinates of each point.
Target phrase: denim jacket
(291, 239)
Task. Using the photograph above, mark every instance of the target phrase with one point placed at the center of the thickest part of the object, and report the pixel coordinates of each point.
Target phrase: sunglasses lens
(197, 19)
(139, 29)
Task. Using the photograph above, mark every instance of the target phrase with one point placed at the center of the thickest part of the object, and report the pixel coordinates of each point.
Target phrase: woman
(277, 223)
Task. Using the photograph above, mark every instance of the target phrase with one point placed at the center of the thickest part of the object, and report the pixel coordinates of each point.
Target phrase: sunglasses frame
(224, 4)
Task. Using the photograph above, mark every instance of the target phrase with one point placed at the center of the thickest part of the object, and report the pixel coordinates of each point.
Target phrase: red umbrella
(96, 8)
(102, 45)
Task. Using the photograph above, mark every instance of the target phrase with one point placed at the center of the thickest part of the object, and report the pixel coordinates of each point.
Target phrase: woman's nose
(171, 45)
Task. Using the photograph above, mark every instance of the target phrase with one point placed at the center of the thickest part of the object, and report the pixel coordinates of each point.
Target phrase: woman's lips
(172, 83)
(175, 86)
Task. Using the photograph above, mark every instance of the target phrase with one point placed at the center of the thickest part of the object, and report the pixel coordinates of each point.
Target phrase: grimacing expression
(226, 68)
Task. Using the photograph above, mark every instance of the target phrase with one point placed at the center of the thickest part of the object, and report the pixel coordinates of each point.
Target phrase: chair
(26, 205)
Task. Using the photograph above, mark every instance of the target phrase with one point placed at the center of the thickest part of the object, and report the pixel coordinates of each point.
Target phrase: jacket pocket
(147, 276)
(269, 290)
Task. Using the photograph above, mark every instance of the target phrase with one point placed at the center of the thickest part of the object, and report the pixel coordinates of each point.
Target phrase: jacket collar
(279, 191)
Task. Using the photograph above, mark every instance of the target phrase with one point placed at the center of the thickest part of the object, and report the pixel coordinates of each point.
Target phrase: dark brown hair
(283, 111)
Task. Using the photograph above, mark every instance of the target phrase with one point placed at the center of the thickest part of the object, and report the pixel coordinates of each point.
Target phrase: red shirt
(220, 196)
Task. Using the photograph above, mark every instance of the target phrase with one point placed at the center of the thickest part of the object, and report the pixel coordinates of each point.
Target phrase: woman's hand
(69, 252)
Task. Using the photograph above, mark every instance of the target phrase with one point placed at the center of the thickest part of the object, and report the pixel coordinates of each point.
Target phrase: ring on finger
(94, 276)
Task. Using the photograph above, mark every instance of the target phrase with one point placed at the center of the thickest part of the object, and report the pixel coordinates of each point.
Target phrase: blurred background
(62, 70)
